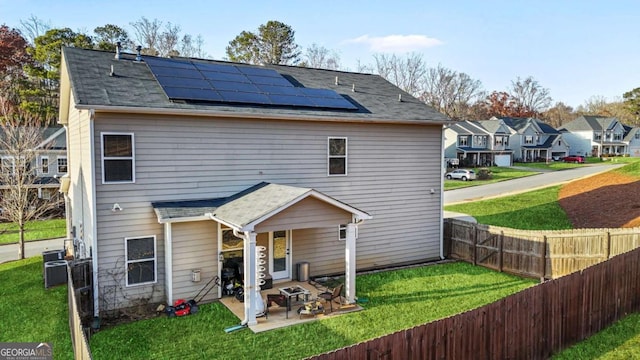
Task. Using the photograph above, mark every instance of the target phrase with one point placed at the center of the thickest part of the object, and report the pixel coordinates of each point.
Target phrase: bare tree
(450, 92)
(147, 33)
(169, 40)
(316, 56)
(192, 46)
(559, 114)
(406, 73)
(20, 143)
(33, 27)
(529, 95)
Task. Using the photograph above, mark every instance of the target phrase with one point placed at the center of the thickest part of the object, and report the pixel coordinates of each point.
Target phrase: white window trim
(346, 155)
(48, 165)
(132, 158)
(58, 164)
(341, 228)
(127, 262)
(13, 163)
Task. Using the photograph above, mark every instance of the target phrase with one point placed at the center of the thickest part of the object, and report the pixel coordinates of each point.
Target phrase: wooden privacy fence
(532, 324)
(541, 254)
(81, 349)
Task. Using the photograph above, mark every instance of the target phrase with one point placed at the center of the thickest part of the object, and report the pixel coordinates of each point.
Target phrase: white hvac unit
(55, 273)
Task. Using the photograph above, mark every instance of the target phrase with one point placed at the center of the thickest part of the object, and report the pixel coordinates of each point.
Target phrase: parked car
(462, 174)
(574, 159)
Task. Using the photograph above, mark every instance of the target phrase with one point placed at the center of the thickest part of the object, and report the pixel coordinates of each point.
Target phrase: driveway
(31, 248)
(515, 186)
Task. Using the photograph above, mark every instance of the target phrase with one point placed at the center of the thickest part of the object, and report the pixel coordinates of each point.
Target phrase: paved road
(31, 248)
(528, 183)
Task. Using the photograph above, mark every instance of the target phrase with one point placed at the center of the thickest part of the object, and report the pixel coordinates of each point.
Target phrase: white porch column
(250, 278)
(350, 264)
(168, 263)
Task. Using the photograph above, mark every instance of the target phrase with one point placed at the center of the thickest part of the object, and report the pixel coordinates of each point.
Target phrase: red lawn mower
(181, 307)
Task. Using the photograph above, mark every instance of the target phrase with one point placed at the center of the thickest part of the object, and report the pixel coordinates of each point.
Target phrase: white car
(462, 174)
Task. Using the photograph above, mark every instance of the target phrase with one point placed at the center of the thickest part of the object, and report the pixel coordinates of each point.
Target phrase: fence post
(608, 249)
(500, 250)
(475, 244)
(543, 259)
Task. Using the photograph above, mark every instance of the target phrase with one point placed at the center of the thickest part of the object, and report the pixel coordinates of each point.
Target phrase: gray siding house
(50, 162)
(479, 143)
(184, 166)
(534, 140)
(598, 135)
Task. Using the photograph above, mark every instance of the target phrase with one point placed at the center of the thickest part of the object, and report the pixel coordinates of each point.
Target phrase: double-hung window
(44, 164)
(463, 141)
(118, 158)
(141, 260)
(337, 154)
(62, 164)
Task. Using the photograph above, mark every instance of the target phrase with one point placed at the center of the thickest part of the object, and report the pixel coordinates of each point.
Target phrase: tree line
(30, 70)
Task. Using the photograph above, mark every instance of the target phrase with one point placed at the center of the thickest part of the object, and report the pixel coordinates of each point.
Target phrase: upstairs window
(8, 165)
(44, 165)
(528, 139)
(62, 164)
(118, 162)
(141, 260)
(463, 141)
(337, 150)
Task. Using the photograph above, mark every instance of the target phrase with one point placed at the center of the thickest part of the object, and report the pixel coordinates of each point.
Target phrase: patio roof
(246, 208)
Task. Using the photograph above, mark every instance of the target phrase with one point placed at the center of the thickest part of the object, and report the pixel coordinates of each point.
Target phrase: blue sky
(577, 49)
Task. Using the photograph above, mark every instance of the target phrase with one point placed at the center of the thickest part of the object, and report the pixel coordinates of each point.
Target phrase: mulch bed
(607, 200)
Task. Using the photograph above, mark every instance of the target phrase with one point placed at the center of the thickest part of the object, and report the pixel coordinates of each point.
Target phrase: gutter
(442, 196)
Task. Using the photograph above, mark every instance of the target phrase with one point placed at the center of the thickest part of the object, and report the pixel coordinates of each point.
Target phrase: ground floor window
(141, 260)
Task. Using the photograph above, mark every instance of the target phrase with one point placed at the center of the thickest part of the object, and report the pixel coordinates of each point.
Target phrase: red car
(574, 159)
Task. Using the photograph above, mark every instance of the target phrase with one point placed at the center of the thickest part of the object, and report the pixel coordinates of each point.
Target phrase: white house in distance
(585, 137)
(182, 164)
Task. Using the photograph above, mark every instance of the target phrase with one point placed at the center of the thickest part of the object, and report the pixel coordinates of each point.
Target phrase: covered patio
(277, 316)
(260, 209)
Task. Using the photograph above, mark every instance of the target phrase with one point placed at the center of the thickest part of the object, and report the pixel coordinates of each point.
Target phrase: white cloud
(396, 43)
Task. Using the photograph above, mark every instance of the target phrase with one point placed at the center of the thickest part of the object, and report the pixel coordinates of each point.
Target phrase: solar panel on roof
(245, 97)
(177, 72)
(202, 81)
(168, 63)
(225, 76)
(183, 82)
(268, 80)
(279, 90)
(258, 71)
(216, 67)
(180, 93)
(234, 86)
(290, 100)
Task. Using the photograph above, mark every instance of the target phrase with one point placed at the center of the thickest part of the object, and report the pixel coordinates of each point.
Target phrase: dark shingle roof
(134, 86)
(519, 123)
(589, 122)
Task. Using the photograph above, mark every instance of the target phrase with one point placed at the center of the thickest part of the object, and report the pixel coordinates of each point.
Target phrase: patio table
(290, 292)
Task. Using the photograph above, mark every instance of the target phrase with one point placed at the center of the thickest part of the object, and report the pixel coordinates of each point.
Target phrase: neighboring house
(50, 162)
(180, 167)
(585, 136)
(632, 137)
(534, 140)
(479, 143)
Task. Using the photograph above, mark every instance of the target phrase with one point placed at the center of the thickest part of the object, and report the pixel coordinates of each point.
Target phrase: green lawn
(35, 230)
(534, 210)
(396, 300)
(498, 174)
(28, 312)
(619, 341)
(552, 166)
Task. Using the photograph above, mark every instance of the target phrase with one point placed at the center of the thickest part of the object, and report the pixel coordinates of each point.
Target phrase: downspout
(442, 171)
(94, 216)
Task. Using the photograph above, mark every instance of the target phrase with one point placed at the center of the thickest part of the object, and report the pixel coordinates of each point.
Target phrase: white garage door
(503, 160)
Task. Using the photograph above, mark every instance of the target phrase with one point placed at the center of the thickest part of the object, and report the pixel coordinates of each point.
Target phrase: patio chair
(277, 299)
(331, 295)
